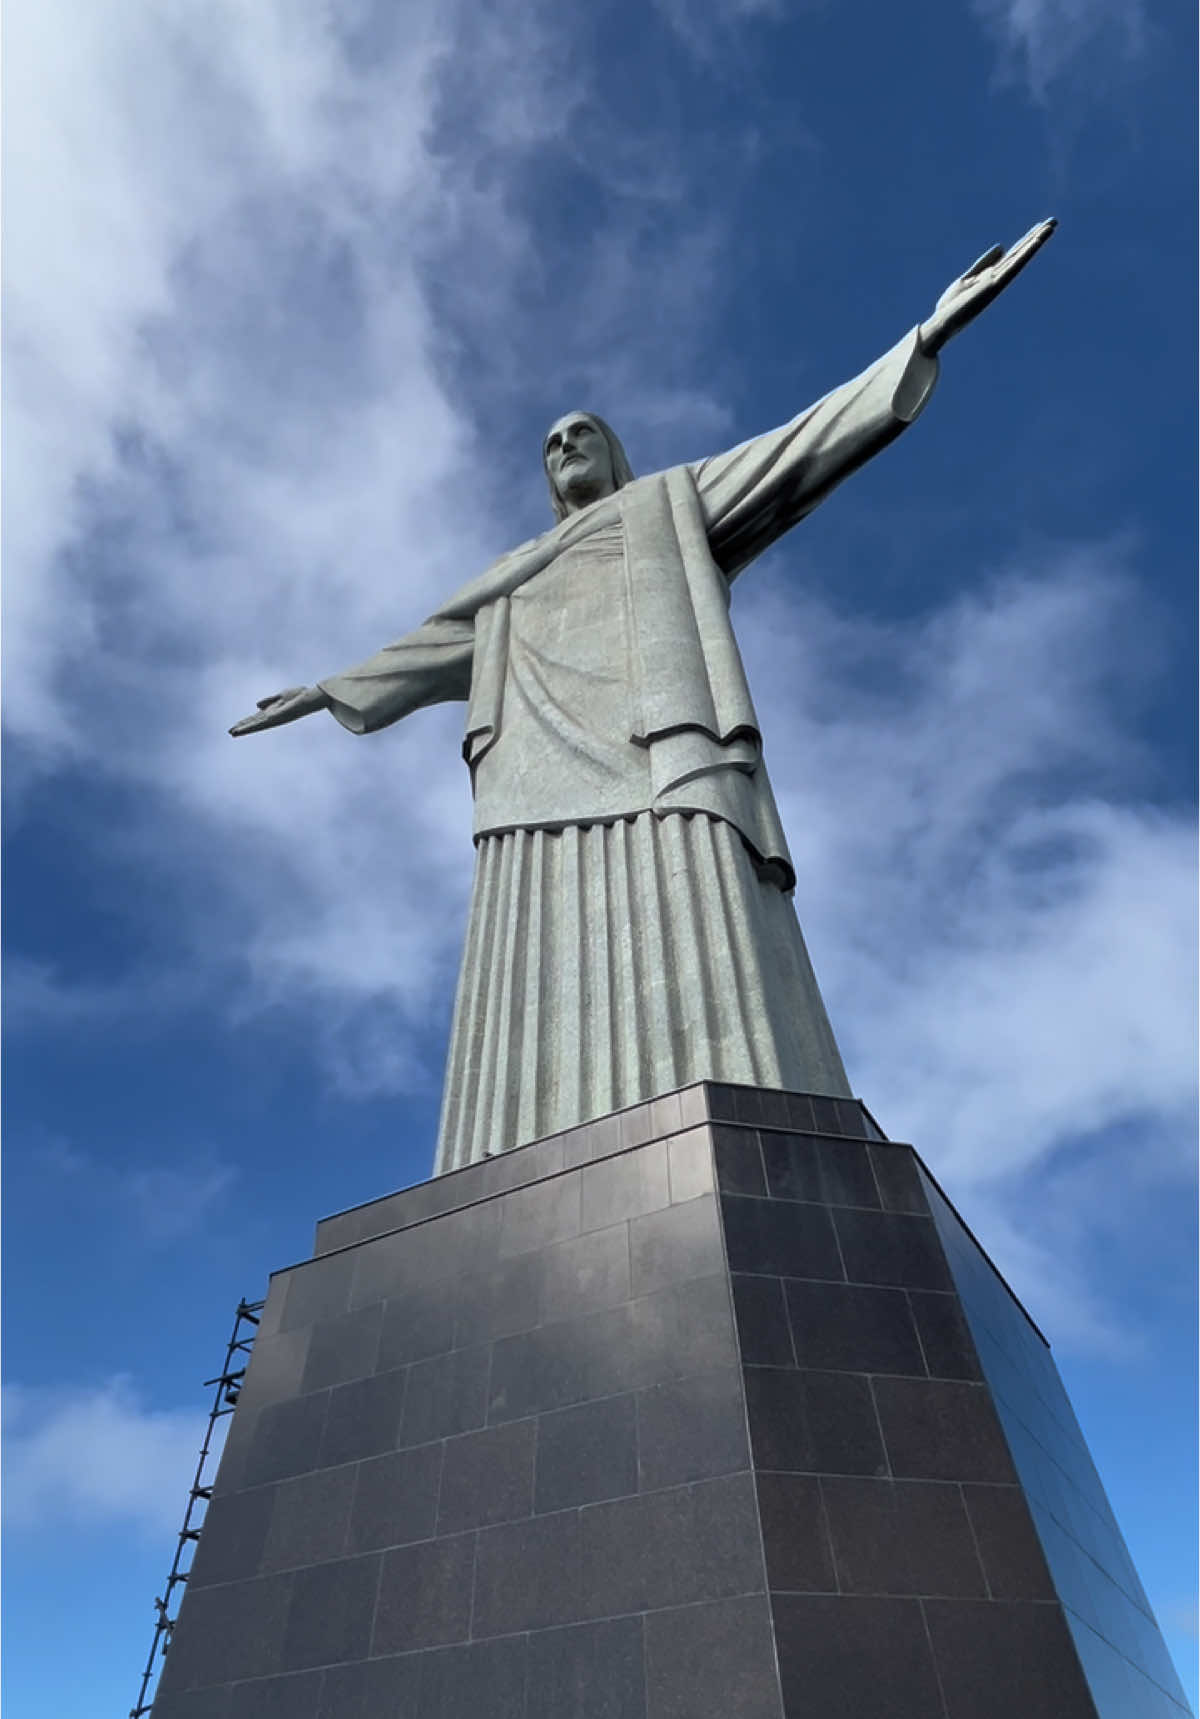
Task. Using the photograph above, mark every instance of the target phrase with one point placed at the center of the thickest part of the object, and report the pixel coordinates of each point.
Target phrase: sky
(292, 291)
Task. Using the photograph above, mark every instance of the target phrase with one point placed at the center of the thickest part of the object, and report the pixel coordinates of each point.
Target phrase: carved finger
(279, 697)
(990, 256)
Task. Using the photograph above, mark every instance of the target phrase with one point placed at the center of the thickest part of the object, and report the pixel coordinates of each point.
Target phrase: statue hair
(622, 470)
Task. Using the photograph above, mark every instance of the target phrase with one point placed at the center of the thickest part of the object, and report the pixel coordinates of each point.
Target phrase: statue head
(583, 461)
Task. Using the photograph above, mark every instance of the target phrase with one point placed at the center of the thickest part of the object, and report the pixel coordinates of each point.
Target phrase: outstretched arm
(755, 493)
(428, 666)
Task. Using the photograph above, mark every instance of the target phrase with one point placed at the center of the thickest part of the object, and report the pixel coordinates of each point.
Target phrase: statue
(632, 927)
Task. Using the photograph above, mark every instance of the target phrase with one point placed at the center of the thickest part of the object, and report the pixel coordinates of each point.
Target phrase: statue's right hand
(281, 707)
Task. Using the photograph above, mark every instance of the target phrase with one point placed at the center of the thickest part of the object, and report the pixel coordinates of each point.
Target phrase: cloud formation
(1042, 40)
(98, 1455)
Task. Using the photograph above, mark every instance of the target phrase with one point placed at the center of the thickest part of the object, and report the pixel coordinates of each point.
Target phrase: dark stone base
(710, 1408)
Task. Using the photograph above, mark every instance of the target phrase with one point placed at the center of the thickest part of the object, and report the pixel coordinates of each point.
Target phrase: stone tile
(860, 1657)
(310, 1520)
(295, 1696)
(696, 1333)
(800, 1112)
(669, 1548)
(586, 1274)
(713, 1659)
(889, 1247)
(636, 1126)
(417, 1322)
(691, 1429)
(232, 1538)
(364, 1418)
(901, 1537)
(997, 1659)
(938, 1430)
(778, 1238)
(317, 1290)
(425, 1595)
(533, 1218)
(899, 1180)
(484, 1680)
(275, 1369)
(395, 1499)
(538, 1370)
(749, 1106)
(945, 1335)
(812, 1423)
(693, 1105)
(329, 1620)
(666, 1115)
(795, 1538)
(287, 1439)
(446, 1394)
(605, 1135)
(764, 1335)
(625, 1186)
(228, 1633)
(487, 1477)
(825, 1115)
(738, 1161)
(1013, 1560)
(343, 1348)
(851, 1119)
(514, 1169)
(527, 1575)
(211, 1703)
(832, 1172)
(675, 1245)
(497, 1302)
(373, 1689)
(722, 1102)
(690, 1165)
(587, 1671)
(848, 1328)
(586, 1454)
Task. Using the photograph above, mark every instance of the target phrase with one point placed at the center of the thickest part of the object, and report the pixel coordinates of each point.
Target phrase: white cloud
(1004, 931)
(1043, 39)
(80, 1456)
(157, 1202)
(245, 247)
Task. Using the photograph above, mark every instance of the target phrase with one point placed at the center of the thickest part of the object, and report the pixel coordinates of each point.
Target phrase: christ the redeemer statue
(632, 927)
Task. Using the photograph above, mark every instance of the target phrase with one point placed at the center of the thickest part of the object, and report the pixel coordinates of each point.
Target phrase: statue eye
(582, 430)
(553, 442)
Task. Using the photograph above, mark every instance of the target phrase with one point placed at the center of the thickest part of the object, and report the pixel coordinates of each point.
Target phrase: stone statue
(632, 927)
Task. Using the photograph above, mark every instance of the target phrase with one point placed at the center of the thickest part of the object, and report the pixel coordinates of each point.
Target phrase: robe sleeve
(753, 494)
(429, 666)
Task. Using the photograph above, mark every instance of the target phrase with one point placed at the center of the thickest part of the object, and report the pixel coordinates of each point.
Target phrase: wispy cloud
(1041, 41)
(1004, 928)
(158, 1202)
(91, 1455)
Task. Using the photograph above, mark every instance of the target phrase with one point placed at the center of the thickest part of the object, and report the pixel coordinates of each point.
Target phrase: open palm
(985, 280)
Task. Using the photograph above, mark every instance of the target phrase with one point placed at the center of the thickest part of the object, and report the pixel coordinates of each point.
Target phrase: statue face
(578, 461)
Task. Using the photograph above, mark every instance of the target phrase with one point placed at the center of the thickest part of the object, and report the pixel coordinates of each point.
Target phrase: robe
(631, 927)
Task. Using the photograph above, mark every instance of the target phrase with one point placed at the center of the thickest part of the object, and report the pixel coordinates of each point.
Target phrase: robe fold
(621, 803)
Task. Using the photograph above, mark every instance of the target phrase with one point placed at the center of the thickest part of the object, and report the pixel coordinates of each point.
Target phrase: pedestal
(710, 1408)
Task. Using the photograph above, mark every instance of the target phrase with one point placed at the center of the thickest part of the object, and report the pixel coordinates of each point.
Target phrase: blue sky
(293, 291)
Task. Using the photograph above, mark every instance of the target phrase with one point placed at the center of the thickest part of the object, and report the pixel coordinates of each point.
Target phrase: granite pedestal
(711, 1408)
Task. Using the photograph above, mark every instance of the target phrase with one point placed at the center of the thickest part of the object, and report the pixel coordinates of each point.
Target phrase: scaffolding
(227, 1387)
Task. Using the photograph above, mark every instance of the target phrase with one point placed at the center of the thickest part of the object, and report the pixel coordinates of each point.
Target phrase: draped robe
(631, 925)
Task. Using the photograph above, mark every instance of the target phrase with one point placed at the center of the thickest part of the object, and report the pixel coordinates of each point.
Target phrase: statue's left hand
(964, 298)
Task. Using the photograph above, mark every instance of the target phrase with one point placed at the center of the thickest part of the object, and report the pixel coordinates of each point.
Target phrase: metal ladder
(227, 1387)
